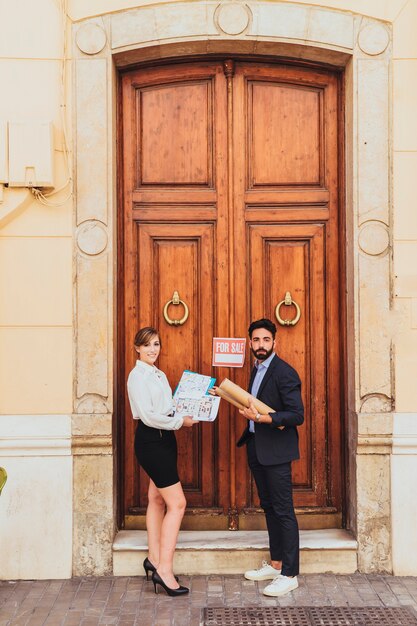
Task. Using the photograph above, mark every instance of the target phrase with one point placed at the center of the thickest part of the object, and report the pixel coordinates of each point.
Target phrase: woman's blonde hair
(144, 335)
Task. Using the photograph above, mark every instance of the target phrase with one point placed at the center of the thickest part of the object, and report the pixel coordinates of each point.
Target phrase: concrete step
(232, 552)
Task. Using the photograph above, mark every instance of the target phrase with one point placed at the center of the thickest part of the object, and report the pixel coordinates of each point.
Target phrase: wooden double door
(230, 198)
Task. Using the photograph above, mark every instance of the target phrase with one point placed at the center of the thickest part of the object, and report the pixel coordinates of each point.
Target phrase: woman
(150, 399)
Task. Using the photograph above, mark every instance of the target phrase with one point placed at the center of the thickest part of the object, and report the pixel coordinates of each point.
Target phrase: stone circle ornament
(91, 38)
(232, 18)
(374, 238)
(373, 39)
(92, 238)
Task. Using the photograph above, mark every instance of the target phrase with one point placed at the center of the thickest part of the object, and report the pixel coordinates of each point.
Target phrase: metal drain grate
(361, 616)
(308, 616)
(256, 616)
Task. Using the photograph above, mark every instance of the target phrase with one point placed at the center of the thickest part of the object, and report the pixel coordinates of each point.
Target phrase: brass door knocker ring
(176, 301)
(287, 302)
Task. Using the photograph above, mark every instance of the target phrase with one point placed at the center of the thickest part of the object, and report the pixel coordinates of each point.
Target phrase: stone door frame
(361, 47)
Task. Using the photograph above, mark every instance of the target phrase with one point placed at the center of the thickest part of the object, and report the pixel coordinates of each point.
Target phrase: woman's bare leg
(154, 518)
(175, 503)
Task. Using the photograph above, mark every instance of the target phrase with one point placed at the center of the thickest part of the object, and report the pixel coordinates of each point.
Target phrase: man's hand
(251, 413)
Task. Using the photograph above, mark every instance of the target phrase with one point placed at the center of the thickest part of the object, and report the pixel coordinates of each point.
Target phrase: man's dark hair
(263, 323)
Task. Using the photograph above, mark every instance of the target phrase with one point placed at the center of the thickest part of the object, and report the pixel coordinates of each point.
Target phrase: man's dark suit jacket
(281, 390)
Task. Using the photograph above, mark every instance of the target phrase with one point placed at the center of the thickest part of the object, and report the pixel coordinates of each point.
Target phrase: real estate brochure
(191, 397)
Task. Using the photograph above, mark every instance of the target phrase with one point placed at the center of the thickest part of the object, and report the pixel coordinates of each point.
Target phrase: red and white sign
(228, 352)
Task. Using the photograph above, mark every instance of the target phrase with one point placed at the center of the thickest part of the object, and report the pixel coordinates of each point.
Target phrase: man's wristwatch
(258, 417)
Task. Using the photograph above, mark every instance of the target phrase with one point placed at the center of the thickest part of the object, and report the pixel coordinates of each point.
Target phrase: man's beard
(262, 354)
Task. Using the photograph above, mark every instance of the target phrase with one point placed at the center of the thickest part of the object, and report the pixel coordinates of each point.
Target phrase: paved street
(132, 602)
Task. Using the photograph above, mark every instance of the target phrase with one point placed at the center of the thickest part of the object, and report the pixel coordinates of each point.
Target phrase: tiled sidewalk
(132, 602)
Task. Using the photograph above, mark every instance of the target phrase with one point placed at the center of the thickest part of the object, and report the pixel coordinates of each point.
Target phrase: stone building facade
(58, 260)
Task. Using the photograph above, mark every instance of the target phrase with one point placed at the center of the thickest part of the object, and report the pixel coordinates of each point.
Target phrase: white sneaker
(280, 586)
(265, 572)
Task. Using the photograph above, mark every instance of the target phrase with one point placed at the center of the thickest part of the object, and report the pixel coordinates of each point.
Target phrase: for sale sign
(228, 352)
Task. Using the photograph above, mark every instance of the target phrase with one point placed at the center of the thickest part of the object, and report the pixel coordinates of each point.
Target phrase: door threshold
(232, 552)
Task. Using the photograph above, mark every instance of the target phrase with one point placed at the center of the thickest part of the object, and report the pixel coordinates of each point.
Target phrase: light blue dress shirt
(261, 367)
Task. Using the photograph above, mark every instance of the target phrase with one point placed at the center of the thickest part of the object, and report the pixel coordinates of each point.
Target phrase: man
(272, 443)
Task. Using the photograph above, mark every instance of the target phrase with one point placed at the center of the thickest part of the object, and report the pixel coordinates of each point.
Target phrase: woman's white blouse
(150, 397)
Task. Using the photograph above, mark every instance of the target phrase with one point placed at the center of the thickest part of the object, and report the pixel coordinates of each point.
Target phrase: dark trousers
(275, 493)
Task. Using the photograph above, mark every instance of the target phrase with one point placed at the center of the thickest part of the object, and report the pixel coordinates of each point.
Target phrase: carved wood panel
(231, 199)
(174, 236)
(175, 135)
(284, 134)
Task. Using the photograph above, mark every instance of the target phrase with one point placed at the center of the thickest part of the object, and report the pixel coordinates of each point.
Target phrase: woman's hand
(212, 391)
(188, 421)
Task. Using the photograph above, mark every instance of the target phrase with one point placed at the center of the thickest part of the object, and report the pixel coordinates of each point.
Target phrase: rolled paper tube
(225, 396)
(244, 397)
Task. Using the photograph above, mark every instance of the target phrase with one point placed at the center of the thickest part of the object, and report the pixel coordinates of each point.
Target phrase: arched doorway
(231, 197)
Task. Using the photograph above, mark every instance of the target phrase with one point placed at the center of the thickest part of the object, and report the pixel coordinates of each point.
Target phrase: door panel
(175, 131)
(175, 239)
(286, 208)
(230, 197)
(290, 138)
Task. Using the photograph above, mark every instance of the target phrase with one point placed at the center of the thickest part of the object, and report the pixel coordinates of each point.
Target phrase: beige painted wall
(405, 204)
(35, 240)
(36, 334)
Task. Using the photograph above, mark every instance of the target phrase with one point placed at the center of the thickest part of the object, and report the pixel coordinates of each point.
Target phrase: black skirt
(156, 453)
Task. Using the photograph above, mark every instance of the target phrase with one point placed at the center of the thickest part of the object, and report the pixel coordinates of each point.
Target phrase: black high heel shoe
(157, 580)
(149, 567)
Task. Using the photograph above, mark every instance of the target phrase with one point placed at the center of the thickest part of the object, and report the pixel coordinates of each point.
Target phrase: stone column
(372, 231)
(373, 476)
(94, 516)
